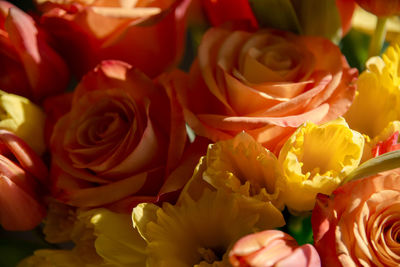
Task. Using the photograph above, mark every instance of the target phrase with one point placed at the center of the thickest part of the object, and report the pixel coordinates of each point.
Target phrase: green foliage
(320, 18)
(278, 14)
(385, 162)
(355, 48)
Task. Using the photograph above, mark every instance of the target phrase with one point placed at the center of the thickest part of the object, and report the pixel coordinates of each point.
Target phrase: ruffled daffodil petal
(315, 159)
(195, 232)
(370, 144)
(25, 119)
(244, 166)
(378, 95)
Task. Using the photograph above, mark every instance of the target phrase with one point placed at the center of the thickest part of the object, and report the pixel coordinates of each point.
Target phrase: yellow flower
(315, 159)
(117, 242)
(378, 100)
(54, 258)
(25, 119)
(101, 237)
(386, 133)
(197, 232)
(243, 166)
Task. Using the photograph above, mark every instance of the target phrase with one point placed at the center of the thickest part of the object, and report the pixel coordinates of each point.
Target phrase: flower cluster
(179, 133)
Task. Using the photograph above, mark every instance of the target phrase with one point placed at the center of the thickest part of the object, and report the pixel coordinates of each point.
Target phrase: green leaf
(355, 48)
(319, 17)
(277, 14)
(385, 162)
(299, 227)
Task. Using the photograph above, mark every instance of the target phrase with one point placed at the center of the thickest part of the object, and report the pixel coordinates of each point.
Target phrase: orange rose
(266, 83)
(221, 11)
(118, 142)
(272, 248)
(29, 66)
(139, 32)
(359, 224)
(22, 179)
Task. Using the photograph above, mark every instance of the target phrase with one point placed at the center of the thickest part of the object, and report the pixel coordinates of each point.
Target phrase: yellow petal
(198, 232)
(117, 242)
(53, 258)
(244, 166)
(25, 119)
(378, 95)
(315, 159)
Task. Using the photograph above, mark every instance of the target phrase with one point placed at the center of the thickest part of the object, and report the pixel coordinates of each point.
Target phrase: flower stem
(377, 39)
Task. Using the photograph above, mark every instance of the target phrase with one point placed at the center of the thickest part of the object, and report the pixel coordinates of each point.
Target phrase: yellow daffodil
(54, 258)
(197, 232)
(386, 133)
(315, 159)
(378, 99)
(243, 166)
(117, 242)
(25, 119)
(101, 237)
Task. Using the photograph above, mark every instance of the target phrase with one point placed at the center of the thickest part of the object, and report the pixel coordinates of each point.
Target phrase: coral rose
(266, 83)
(29, 66)
(118, 142)
(138, 32)
(22, 179)
(272, 248)
(359, 224)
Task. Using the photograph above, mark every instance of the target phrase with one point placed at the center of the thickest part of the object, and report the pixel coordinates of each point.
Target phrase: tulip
(272, 248)
(22, 172)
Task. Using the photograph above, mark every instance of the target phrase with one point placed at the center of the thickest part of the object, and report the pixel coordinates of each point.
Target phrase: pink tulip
(22, 172)
(272, 248)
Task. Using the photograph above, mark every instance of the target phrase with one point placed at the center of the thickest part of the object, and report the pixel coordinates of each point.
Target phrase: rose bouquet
(183, 133)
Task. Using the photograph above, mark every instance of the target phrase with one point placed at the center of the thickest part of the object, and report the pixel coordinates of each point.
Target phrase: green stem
(377, 39)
